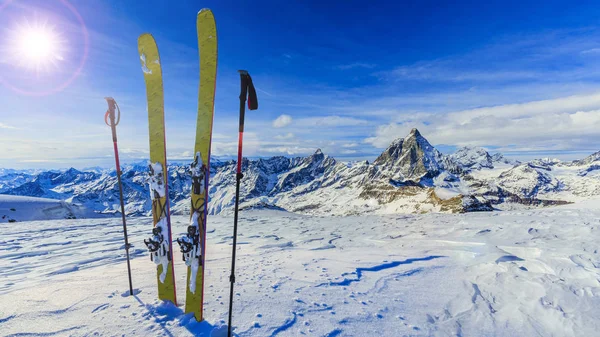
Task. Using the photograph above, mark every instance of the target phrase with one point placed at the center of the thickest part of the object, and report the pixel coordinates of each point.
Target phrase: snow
(193, 256)
(156, 181)
(446, 193)
(472, 158)
(487, 173)
(145, 68)
(162, 255)
(18, 208)
(515, 273)
(398, 181)
(547, 179)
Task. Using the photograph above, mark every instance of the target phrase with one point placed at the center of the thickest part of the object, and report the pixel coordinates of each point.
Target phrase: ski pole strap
(110, 113)
(247, 91)
(252, 99)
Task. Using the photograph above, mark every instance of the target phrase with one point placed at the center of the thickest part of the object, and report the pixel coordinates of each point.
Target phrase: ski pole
(247, 90)
(109, 119)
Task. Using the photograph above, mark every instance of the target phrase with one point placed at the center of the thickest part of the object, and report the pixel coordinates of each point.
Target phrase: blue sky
(344, 76)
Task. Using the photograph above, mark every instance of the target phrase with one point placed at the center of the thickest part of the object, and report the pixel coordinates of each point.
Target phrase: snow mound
(17, 208)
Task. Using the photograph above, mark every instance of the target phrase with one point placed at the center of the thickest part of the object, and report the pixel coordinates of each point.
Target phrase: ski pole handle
(243, 94)
(110, 113)
(247, 91)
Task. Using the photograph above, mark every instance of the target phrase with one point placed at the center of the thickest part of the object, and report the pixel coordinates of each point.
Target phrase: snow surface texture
(16, 208)
(513, 273)
(410, 176)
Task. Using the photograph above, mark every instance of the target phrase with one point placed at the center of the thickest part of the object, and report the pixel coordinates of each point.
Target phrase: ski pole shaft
(232, 276)
(238, 178)
(247, 90)
(110, 118)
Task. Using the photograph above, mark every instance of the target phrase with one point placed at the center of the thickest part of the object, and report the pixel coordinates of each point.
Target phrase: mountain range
(410, 176)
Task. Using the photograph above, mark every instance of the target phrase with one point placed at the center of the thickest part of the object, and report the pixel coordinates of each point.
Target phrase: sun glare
(42, 49)
(36, 46)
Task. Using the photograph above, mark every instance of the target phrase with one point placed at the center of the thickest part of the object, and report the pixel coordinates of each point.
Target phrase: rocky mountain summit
(412, 159)
(410, 176)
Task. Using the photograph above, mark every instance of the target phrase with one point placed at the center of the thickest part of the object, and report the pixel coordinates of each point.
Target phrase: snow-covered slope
(10, 179)
(410, 176)
(514, 273)
(18, 208)
(528, 180)
(546, 180)
(473, 158)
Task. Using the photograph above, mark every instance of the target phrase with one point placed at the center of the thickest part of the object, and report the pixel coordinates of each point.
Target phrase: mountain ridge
(410, 176)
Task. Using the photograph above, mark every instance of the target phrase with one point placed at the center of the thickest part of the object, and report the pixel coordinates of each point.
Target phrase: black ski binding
(190, 244)
(155, 241)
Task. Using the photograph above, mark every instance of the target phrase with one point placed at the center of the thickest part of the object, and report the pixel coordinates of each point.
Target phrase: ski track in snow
(515, 273)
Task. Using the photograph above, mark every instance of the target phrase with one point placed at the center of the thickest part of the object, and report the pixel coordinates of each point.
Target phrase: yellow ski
(193, 244)
(160, 244)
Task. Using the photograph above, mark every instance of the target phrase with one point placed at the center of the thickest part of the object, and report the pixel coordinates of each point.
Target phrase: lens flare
(36, 46)
(42, 51)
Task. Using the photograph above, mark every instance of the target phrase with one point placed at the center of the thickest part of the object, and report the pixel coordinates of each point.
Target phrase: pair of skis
(193, 243)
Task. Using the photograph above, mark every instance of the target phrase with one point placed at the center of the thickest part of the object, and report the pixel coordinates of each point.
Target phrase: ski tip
(203, 10)
(145, 36)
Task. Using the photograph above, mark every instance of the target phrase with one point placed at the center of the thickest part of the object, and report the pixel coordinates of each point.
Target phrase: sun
(36, 46)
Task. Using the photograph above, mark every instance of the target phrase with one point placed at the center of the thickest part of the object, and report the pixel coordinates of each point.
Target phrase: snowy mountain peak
(414, 133)
(499, 158)
(594, 156)
(409, 176)
(317, 156)
(410, 158)
(589, 159)
(528, 180)
(314, 159)
(472, 157)
(395, 144)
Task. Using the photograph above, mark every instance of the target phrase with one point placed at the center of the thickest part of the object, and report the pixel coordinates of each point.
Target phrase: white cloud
(4, 126)
(282, 121)
(217, 135)
(288, 135)
(385, 134)
(591, 51)
(569, 104)
(331, 121)
(447, 71)
(39, 161)
(134, 151)
(568, 123)
(356, 65)
(288, 150)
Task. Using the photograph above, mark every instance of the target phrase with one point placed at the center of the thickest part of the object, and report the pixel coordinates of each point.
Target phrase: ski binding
(159, 248)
